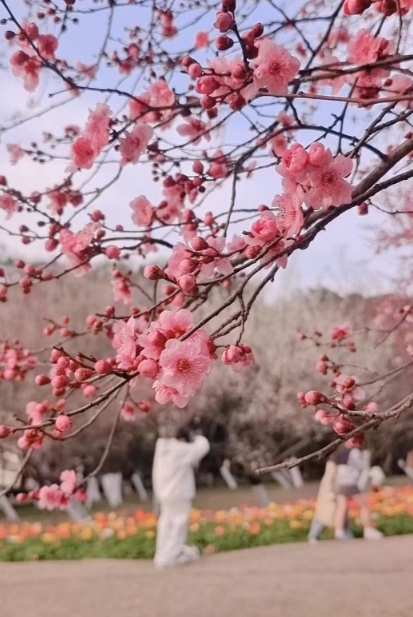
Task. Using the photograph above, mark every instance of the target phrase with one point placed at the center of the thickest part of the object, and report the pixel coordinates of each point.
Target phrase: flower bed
(120, 536)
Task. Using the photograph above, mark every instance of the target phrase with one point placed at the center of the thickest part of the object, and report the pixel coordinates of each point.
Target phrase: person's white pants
(172, 533)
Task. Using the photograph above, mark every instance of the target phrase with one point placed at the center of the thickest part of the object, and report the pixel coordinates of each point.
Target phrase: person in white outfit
(173, 478)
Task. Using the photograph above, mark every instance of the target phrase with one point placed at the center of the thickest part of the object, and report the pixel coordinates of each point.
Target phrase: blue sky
(342, 258)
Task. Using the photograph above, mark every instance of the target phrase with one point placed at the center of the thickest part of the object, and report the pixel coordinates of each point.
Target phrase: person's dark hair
(183, 434)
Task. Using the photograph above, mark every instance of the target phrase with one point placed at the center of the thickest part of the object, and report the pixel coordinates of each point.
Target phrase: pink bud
(187, 266)
(199, 244)
(82, 374)
(158, 339)
(4, 431)
(314, 398)
(252, 251)
(209, 219)
(97, 215)
(149, 368)
(102, 367)
(42, 380)
(59, 382)
(63, 362)
(198, 167)
(153, 273)
(356, 7)
(349, 383)
(112, 251)
(144, 406)
(55, 355)
(187, 282)
(223, 21)
(195, 70)
(231, 354)
(89, 391)
(316, 154)
(207, 102)
(223, 42)
(342, 425)
(90, 320)
(63, 423)
(321, 367)
(363, 209)
(207, 84)
(371, 407)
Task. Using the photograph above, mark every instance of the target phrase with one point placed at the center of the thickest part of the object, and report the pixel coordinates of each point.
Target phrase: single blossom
(121, 291)
(124, 341)
(15, 152)
(264, 230)
(217, 263)
(194, 129)
(83, 154)
(142, 211)
(275, 67)
(166, 394)
(9, 204)
(290, 216)
(366, 48)
(201, 40)
(47, 45)
(338, 333)
(51, 497)
(184, 366)
(132, 146)
(68, 482)
(328, 187)
(97, 127)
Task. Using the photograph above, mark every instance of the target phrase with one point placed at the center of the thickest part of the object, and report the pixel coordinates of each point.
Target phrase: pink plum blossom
(51, 497)
(328, 187)
(275, 67)
(9, 204)
(183, 366)
(68, 482)
(15, 152)
(290, 216)
(142, 211)
(133, 144)
(124, 341)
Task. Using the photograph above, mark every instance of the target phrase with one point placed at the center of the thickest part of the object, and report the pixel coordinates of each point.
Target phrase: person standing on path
(325, 507)
(353, 476)
(173, 478)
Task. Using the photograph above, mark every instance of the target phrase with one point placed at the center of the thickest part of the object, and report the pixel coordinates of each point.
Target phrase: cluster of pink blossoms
(177, 367)
(387, 7)
(187, 267)
(229, 80)
(56, 496)
(315, 176)
(15, 361)
(347, 397)
(35, 49)
(77, 247)
(87, 147)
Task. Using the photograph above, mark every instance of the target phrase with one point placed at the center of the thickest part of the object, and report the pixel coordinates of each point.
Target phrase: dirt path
(354, 579)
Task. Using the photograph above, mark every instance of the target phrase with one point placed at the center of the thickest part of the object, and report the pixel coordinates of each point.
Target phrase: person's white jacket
(173, 474)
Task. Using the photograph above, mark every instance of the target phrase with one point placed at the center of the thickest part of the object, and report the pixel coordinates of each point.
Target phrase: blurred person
(173, 480)
(407, 465)
(325, 509)
(353, 476)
